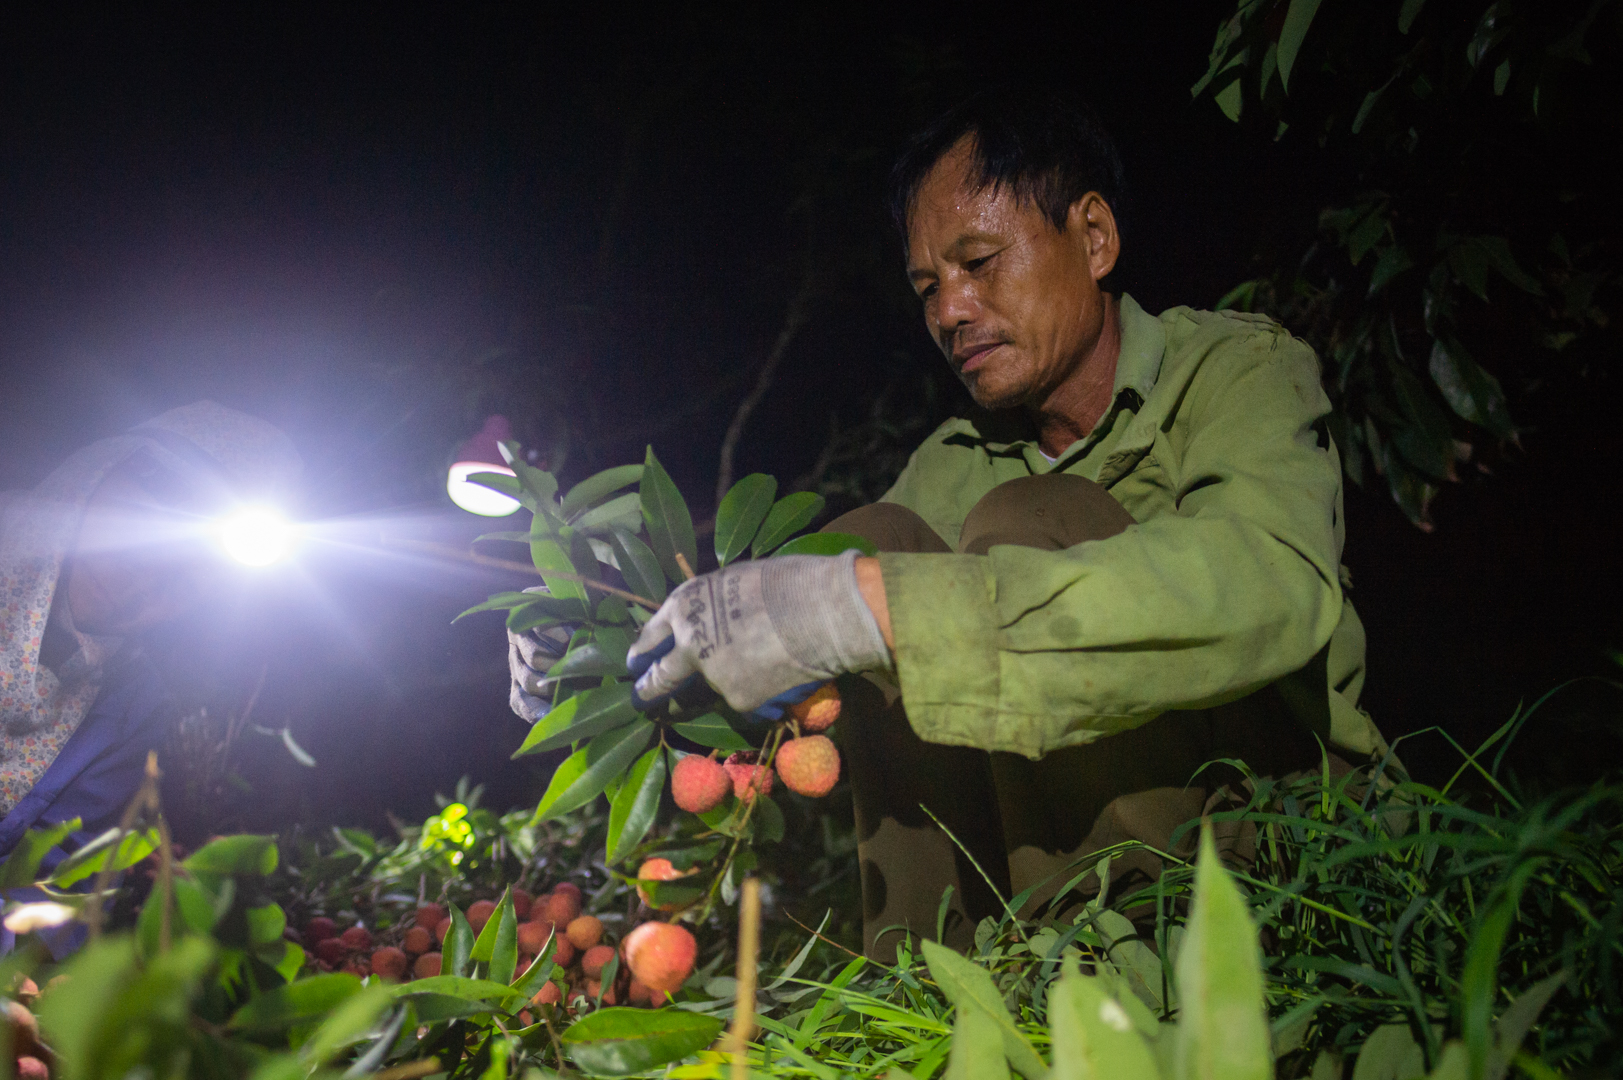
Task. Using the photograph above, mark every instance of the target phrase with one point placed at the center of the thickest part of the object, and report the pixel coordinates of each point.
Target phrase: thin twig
(445, 552)
(682, 562)
(749, 945)
(820, 937)
(145, 796)
(796, 317)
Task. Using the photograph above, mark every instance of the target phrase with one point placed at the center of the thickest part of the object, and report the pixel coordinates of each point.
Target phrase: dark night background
(374, 228)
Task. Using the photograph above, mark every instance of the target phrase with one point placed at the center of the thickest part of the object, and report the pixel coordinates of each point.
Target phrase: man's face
(139, 560)
(1012, 302)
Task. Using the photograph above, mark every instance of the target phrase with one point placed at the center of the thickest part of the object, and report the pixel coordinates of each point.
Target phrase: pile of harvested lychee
(655, 958)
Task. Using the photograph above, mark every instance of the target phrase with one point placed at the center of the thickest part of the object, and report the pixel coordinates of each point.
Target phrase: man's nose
(956, 306)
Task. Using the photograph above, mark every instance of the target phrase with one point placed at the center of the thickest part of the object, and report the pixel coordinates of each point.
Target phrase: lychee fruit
(442, 929)
(319, 929)
(809, 765)
(585, 932)
(24, 1027)
(417, 941)
(533, 935)
(521, 904)
(749, 779)
(427, 965)
(561, 908)
(479, 913)
(331, 951)
(595, 959)
(661, 955)
(660, 870)
(819, 711)
(549, 994)
(430, 915)
(32, 1068)
(356, 938)
(563, 953)
(640, 994)
(389, 963)
(699, 783)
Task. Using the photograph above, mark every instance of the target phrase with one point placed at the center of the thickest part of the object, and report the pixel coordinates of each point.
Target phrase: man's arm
(1026, 650)
(871, 583)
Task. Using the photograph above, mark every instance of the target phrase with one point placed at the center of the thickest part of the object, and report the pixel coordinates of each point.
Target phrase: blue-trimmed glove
(529, 655)
(763, 633)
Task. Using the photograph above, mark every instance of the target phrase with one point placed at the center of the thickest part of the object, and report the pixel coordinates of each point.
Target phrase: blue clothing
(100, 766)
(94, 778)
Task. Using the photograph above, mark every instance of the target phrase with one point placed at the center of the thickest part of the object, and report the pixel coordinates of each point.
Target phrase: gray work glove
(529, 655)
(764, 633)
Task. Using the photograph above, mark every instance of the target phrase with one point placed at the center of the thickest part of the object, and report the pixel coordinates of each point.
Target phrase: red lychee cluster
(749, 778)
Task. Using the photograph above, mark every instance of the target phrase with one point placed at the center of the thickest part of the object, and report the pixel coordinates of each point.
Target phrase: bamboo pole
(749, 944)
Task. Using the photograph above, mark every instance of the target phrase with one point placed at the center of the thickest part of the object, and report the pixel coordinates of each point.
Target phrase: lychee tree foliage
(609, 556)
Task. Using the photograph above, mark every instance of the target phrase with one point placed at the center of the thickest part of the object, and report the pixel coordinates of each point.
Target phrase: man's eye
(973, 265)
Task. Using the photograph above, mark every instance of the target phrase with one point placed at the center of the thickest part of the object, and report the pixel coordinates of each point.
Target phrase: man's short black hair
(1046, 147)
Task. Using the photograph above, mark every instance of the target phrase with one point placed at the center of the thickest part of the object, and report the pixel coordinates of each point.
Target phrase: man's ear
(1091, 221)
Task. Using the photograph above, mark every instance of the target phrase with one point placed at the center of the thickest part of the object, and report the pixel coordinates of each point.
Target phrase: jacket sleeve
(1026, 650)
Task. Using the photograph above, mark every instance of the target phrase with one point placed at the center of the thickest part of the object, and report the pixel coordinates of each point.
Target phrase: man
(111, 544)
(1129, 569)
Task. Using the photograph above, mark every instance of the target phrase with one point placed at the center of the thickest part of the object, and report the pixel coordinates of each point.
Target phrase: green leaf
(283, 1006)
(1222, 1022)
(788, 516)
(1390, 1053)
(638, 565)
(456, 951)
(23, 865)
(1094, 1038)
(624, 512)
(547, 555)
(767, 824)
(73, 1022)
(346, 1025)
(1393, 261)
(977, 1048)
(250, 855)
(503, 601)
(970, 987)
(545, 611)
(740, 514)
(1408, 13)
(1297, 19)
(507, 485)
(112, 850)
(620, 1041)
(266, 923)
(539, 970)
(594, 487)
(1470, 391)
(665, 514)
(593, 658)
(541, 485)
(633, 810)
(459, 987)
(1138, 969)
(582, 777)
(497, 946)
(583, 716)
(713, 730)
(827, 543)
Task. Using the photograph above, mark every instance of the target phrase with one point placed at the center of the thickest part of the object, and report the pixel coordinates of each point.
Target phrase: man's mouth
(971, 357)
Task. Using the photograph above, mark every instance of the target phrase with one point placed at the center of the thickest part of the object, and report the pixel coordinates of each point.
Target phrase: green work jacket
(1231, 581)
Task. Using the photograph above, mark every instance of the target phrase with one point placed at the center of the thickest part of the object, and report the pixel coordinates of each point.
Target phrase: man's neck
(1077, 405)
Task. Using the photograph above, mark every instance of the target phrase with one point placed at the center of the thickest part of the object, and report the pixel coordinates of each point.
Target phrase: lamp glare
(475, 498)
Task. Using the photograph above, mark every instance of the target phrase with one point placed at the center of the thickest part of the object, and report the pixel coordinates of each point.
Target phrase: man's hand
(529, 655)
(764, 633)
